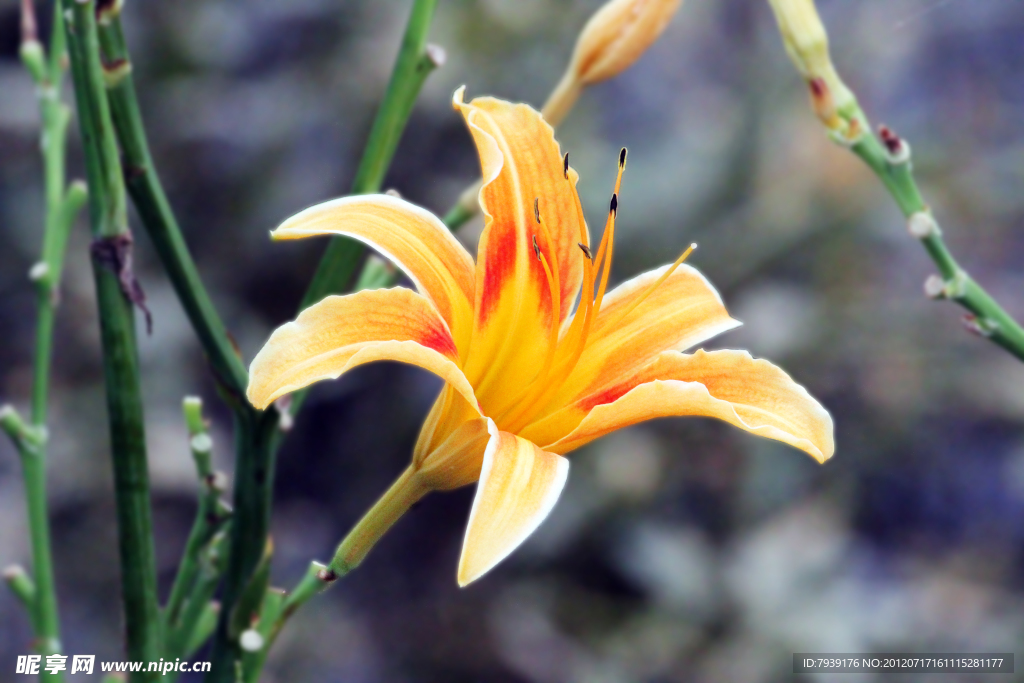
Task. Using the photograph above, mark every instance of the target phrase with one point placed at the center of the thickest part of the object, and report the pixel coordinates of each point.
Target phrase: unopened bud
(614, 38)
(806, 42)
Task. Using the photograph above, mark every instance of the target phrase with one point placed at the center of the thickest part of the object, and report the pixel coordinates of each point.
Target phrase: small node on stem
(285, 420)
(219, 481)
(17, 579)
(107, 10)
(38, 272)
(922, 226)
(20, 433)
(935, 287)
(251, 640)
(976, 326)
(34, 59)
(201, 443)
(115, 72)
(898, 148)
(436, 54)
(327, 575)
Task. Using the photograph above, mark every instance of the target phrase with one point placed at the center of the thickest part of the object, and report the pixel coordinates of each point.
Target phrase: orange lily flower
(530, 375)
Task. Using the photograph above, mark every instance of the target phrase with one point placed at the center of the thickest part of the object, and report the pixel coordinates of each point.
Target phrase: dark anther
(818, 87)
(536, 249)
(615, 203)
(327, 575)
(586, 251)
(565, 165)
(536, 208)
(622, 158)
(891, 141)
(115, 254)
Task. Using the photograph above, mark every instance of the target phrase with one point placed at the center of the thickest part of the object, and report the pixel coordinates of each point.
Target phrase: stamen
(536, 250)
(536, 208)
(650, 289)
(545, 388)
(565, 166)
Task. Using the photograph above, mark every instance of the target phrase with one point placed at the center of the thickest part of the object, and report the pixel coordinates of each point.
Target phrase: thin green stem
(194, 625)
(416, 60)
(62, 205)
(256, 438)
(211, 516)
(257, 434)
(893, 166)
(108, 217)
(148, 195)
(255, 443)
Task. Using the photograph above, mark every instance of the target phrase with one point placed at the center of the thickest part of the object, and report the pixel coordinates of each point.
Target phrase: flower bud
(806, 43)
(615, 37)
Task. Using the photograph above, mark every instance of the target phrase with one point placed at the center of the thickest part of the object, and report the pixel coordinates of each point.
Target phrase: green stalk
(257, 434)
(255, 443)
(62, 205)
(108, 217)
(148, 195)
(414, 63)
(254, 430)
(211, 516)
(889, 157)
(891, 162)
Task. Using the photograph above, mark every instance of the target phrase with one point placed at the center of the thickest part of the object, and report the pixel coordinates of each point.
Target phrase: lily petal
(523, 178)
(683, 311)
(519, 485)
(341, 332)
(457, 461)
(753, 395)
(411, 237)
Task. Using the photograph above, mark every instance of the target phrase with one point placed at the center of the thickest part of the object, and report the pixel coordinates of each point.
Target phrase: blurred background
(681, 550)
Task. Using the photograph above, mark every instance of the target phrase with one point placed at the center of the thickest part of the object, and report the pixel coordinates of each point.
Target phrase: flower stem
(114, 293)
(416, 60)
(150, 200)
(62, 205)
(256, 441)
(255, 444)
(211, 516)
(396, 501)
(891, 162)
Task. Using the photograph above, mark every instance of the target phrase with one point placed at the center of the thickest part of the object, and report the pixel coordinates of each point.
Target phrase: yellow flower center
(564, 353)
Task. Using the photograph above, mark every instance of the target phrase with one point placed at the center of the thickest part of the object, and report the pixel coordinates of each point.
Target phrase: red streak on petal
(500, 268)
(438, 339)
(609, 395)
